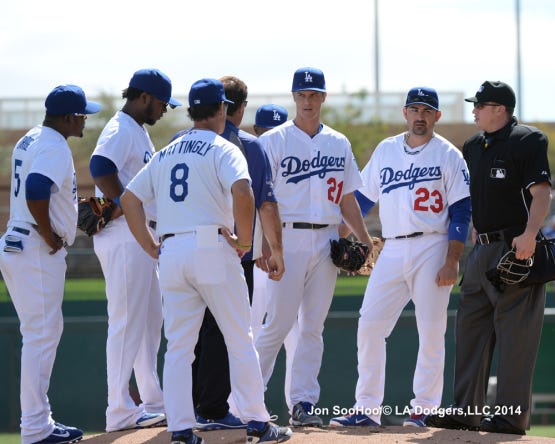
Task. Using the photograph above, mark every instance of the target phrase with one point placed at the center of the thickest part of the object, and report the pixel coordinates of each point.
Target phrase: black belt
(408, 236)
(306, 225)
(152, 224)
(24, 231)
(488, 238)
(165, 236)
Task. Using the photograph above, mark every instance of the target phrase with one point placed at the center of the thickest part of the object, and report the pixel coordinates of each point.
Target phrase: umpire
(510, 192)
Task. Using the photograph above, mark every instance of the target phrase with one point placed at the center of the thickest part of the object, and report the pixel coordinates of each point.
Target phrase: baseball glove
(348, 255)
(377, 246)
(93, 213)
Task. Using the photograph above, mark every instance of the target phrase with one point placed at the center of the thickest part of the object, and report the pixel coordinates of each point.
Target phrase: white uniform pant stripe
(385, 297)
(35, 280)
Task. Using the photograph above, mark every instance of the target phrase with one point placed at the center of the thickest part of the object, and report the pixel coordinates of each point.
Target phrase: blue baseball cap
(270, 115)
(207, 92)
(155, 82)
(423, 95)
(69, 99)
(308, 79)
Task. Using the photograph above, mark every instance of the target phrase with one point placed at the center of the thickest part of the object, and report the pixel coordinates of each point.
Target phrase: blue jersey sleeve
(364, 203)
(37, 187)
(101, 166)
(459, 219)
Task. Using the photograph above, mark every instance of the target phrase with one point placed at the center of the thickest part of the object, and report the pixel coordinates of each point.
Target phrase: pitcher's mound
(388, 435)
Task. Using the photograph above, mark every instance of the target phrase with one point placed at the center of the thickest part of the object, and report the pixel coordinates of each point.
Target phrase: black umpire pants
(510, 320)
(211, 385)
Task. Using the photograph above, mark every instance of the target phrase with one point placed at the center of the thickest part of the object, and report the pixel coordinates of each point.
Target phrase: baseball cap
(207, 92)
(270, 115)
(69, 99)
(423, 95)
(155, 82)
(497, 92)
(308, 79)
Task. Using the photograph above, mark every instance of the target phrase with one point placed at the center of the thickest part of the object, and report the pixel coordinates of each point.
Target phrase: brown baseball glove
(93, 213)
(377, 245)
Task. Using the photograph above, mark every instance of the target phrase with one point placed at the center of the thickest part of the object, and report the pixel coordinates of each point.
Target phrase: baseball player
(315, 175)
(132, 290)
(43, 220)
(201, 187)
(267, 117)
(211, 385)
(422, 177)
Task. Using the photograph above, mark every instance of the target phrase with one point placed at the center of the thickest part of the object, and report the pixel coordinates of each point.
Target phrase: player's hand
(448, 274)
(276, 267)
(54, 241)
(233, 240)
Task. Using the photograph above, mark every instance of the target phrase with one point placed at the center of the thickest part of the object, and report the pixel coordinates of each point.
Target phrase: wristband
(243, 247)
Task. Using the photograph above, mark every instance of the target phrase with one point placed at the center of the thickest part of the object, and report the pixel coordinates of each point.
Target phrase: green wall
(78, 386)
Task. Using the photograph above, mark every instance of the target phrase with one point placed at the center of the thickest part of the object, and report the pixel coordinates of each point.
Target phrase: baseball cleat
(303, 415)
(354, 420)
(62, 435)
(150, 420)
(415, 421)
(186, 437)
(270, 433)
(229, 421)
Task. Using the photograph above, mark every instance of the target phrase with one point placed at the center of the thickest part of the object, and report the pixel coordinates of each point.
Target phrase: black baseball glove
(93, 213)
(348, 255)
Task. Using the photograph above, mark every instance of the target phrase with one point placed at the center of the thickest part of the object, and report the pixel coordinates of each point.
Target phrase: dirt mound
(389, 434)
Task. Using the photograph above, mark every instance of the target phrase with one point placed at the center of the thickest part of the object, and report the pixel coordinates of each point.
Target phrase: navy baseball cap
(155, 82)
(497, 92)
(423, 95)
(308, 79)
(270, 115)
(69, 99)
(207, 92)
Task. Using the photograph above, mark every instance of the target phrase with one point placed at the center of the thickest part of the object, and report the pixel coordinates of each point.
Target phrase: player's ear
(438, 115)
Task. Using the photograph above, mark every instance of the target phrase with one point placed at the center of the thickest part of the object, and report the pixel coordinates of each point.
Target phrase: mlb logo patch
(498, 173)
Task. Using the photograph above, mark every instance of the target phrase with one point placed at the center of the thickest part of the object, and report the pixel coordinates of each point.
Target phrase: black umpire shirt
(502, 166)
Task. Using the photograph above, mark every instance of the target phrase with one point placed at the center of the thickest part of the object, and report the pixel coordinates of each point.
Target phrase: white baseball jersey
(201, 161)
(45, 151)
(128, 145)
(311, 174)
(439, 180)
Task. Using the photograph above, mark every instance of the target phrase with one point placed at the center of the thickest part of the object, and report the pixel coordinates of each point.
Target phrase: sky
(450, 45)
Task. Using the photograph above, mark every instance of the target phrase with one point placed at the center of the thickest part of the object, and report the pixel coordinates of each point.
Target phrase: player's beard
(419, 128)
(149, 117)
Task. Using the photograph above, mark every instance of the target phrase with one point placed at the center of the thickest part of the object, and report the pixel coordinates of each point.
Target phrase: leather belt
(165, 236)
(408, 236)
(152, 224)
(488, 238)
(304, 225)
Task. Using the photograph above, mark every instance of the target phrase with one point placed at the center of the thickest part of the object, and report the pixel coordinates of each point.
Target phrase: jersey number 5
(335, 189)
(428, 201)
